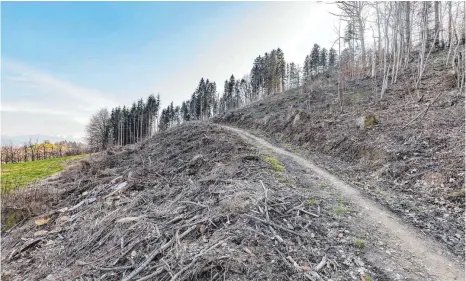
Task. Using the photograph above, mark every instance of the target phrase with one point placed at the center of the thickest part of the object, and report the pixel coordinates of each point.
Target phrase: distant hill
(20, 140)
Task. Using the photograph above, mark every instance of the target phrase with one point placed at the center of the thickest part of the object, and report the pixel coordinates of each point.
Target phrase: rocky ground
(408, 159)
(193, 203)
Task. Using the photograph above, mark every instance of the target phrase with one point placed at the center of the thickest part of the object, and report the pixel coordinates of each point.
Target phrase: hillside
(415, 168)
(218, 207)
(205, 202)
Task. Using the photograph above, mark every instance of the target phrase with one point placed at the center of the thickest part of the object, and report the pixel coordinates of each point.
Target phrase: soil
(414, 167)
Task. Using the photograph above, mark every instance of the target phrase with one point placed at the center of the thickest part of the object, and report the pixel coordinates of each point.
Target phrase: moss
(11, 218)
(341, 200)
(276, 165)
(367, 278)
(322, 185)
(456, 194)
(370, 120)
(359, 243)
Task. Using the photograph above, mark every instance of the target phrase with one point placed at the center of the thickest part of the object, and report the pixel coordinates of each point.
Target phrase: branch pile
(193, 203)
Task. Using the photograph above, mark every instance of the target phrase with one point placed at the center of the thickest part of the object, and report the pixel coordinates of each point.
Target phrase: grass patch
(367, 278)
(283, 180)
(312, 202)
(18, 175)
(279, 178)
(340, 210)
(359, 243)
(322, 185)
(341, 200)
(276, 165)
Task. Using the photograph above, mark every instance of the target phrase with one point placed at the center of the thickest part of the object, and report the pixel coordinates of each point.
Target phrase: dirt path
(420, 257)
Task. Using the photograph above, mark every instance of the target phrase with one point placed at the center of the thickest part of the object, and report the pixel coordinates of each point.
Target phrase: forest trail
(415, 254)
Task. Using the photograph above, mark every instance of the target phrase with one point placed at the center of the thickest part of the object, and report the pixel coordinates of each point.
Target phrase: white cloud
(52, 87)
(28, 91)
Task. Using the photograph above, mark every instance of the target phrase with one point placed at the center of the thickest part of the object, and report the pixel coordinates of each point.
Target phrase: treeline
(33, 151)
(403, 34)
(270, 74)
(124, 125)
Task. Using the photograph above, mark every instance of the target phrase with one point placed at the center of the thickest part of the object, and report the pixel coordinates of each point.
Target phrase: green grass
(340, 210)
(312, 202)
(276, 165)
(360, 244)
(18, 175)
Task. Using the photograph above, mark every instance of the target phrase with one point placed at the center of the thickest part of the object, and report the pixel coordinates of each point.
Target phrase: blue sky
(64, 60)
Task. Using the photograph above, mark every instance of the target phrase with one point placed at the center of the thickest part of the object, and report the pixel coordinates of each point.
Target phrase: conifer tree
(332, 58)
(315, 54)
(323, 59)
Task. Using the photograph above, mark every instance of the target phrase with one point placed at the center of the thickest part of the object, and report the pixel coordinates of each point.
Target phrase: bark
(449, 24)
(408, 25)
(437, 23)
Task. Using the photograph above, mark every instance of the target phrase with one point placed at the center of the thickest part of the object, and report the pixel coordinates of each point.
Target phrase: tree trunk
(449, 23)
(361, 34)
(437, 22)
(408, 25)
(379, 52)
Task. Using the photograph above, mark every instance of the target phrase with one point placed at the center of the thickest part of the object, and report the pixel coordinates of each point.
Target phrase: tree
(231, 92)
(353, 14)
(332, 58)
(323, 59)
(307, 67)
(98, 129)
(281, 69)
(315, 54)
(437, 22)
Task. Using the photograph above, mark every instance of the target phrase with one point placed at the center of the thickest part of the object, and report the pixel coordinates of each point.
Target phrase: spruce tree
(231, 92)
(281, 69)
(307, 67)
(323, 59)
(332, 58)
(315, 54)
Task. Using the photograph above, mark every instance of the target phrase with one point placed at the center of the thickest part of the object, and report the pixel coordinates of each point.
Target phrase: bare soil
(194, 203)
(414, 168)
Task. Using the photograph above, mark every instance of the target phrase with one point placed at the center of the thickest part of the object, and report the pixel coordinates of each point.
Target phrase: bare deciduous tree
(98, 130)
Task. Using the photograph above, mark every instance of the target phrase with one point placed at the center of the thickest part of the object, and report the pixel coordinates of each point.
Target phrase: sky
(62, 61)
